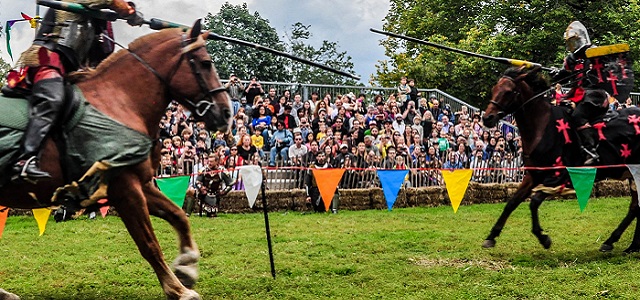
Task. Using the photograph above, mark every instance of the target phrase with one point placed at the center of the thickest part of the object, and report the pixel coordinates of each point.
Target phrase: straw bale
(355, 199)
(377, 199)
(611, 188)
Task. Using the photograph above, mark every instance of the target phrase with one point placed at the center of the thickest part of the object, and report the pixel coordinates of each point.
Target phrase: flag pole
(266, 222)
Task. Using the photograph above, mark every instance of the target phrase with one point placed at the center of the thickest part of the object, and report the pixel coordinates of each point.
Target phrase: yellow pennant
(42, 216)
(456, 182)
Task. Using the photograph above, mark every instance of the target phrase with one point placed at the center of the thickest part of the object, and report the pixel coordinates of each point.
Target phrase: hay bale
(355, 199)
(377, 199)
(611, 188)
(488, 193)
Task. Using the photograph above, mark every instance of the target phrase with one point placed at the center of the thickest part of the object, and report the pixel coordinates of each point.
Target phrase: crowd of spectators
(402, 130)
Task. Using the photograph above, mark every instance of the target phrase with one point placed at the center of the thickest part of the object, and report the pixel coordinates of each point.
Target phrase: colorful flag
(327, 180)
(582, 179)
(456, 182)
(391, 181)
(4, 212)
(42, 217)
(175, 188)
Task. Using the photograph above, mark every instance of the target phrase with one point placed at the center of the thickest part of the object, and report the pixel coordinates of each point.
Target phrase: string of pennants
(456, 184)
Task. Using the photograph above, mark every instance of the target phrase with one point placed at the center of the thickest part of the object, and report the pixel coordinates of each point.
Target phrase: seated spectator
(262, 118)
(297, 150)
(246, 150)
(452, 162)
(280, 142)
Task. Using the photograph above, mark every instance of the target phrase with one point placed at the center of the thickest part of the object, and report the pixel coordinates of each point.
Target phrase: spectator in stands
(298, 149)
(235, 89)
(262, 117)
(253, 89)
(219, 140)
(246, 150)
(257, 140)
(510, 144)
(452, 162)
(280, 142)
(310, 157)
(390, 160)
(287, 118)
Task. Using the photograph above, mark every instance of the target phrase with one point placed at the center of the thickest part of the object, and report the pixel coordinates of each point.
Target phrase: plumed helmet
(576, 37)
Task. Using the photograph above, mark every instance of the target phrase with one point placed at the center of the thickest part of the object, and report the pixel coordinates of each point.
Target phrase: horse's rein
(186, 51)
(518, 94)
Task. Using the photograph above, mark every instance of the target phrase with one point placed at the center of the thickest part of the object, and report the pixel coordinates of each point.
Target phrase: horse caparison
(178, 67)
(549, 141)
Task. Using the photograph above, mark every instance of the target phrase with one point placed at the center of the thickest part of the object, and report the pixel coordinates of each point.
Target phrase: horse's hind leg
(536, 229)
(186, 264)
(522, 193)
(4, 295)
(126, 195)
(632, 213)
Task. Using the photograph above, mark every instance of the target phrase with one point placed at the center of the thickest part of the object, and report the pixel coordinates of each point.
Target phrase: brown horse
(134, 87)
(548, 141)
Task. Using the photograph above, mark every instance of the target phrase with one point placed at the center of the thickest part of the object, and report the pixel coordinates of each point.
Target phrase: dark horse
(549, 141)
(134, 87)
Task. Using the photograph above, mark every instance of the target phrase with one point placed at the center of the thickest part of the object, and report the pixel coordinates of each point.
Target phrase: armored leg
(588, 145)
(45, 103)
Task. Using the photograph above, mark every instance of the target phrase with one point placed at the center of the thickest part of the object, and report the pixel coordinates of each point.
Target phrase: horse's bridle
(207, 94)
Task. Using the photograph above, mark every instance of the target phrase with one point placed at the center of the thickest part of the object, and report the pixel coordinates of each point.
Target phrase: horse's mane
(536, 80)
(86, 73)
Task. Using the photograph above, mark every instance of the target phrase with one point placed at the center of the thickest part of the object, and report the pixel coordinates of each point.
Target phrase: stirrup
(21, 171)
(592, 157)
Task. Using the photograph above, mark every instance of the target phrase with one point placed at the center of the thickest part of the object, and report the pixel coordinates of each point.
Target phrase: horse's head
(195, 84)
(513, 90)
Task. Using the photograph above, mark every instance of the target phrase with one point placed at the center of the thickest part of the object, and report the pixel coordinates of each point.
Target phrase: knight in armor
(64, 43)
(213, 183)
(593, 81)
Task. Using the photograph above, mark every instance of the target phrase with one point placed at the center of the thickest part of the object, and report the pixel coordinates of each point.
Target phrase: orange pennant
(327, 180)
(4, 212)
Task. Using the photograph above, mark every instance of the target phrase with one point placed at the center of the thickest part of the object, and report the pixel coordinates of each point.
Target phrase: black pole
(266, 224)
(508, 61)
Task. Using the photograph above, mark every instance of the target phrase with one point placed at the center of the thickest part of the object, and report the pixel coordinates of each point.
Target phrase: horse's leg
(127, 197)
(4, 295)
(634, 210)
(632, 213)
(524, 190)
(186, 264)
(534, 205)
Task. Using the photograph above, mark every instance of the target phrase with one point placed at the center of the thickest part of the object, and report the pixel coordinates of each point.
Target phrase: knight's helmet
(576, 37)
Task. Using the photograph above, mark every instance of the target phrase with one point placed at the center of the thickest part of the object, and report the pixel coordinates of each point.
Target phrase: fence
(286, 177)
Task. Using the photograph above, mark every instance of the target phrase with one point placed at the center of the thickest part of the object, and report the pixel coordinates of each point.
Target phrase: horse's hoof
(190, 295)
(545, 241)
(185, 267)
(632, 249)
(489, 244)
(606, 248)
(4, 295)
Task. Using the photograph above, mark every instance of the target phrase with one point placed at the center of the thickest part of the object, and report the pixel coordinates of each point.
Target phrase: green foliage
(236, 21)
(328, 54)
(528, 30)
(4, 68)
(416, 253)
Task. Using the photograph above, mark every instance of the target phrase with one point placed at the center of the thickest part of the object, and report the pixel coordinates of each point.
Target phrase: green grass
(417, 253)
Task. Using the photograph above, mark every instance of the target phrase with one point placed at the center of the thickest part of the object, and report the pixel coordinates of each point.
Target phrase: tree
(236, 21)
(327, 54)
(529, 30)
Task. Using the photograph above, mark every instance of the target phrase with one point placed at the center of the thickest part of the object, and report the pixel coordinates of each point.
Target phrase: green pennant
(582, 179)
(175, 188)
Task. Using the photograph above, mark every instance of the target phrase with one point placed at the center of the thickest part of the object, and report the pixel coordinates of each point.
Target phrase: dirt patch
(463, 263)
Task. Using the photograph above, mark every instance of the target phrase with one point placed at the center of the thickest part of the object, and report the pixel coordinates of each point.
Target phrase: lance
(507, 61)
(158, 24)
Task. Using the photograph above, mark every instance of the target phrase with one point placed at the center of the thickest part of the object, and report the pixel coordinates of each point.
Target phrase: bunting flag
(175, 188)
(42, 217)
(252, 177)
(4, 212)
(635, 172)
(33, 21)
(327, 180)
(103, 209)
(456, 182)
(582, 180)
(391, 181)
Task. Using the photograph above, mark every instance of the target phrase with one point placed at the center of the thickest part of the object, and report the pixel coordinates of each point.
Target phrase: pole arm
(507, 61)
(158, 24)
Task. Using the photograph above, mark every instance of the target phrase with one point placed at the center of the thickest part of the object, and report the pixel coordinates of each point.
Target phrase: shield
(612, 73)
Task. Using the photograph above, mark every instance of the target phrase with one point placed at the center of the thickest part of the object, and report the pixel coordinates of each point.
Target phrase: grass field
(417, 253)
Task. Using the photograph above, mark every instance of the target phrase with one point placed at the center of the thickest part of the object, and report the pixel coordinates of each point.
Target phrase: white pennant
(252, 178)
(635, 172)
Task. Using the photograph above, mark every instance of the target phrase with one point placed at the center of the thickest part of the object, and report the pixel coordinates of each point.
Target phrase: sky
(344, 22)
